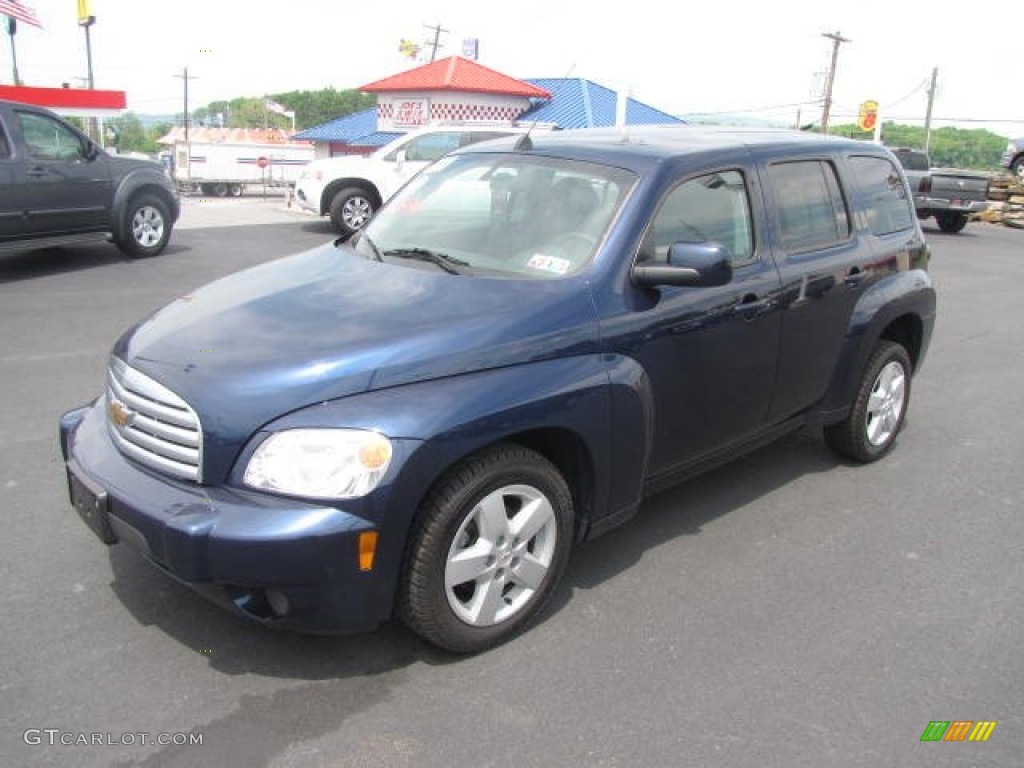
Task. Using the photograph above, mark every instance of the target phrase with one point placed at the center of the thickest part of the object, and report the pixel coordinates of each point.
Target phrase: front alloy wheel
(487, 549)
(148, 227)
(501, 555)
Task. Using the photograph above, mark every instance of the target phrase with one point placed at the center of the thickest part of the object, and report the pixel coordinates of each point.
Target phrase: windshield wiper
(448, 263)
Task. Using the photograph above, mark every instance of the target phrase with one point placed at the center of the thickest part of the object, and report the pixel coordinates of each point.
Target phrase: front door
(710, 353)
(61, 181)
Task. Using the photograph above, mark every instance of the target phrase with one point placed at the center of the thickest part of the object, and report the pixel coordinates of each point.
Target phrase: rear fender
(900, 307)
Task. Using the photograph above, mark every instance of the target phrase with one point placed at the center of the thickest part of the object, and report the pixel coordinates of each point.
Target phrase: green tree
(976, 148)
(310, 107)
(130, 135)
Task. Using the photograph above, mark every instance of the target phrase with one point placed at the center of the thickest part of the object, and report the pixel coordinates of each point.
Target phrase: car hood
(328, 323)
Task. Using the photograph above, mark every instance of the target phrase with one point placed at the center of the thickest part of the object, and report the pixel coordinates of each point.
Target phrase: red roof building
(452, 90)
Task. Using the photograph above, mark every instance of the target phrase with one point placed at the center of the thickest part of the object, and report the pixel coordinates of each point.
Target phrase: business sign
(411, 113)
(868, 116)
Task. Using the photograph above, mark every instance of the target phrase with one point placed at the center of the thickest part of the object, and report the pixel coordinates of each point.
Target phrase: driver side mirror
(689, 264)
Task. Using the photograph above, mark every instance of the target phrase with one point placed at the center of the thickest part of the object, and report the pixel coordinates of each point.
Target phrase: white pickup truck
(350, 188)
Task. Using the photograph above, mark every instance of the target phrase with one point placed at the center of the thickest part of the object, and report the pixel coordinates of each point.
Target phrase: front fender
(153, 181)
(902, 306)
(601, 403)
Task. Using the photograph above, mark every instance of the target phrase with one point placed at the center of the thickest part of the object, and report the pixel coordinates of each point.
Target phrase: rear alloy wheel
(351, 208)
(951, 223)
(488, 548)
(870, 430)
(148, 227)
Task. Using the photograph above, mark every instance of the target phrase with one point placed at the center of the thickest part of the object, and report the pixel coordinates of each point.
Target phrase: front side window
(886, 203)
(809, 207)
(500, 215)
(711, 208)
(431, 146)
(48, 139)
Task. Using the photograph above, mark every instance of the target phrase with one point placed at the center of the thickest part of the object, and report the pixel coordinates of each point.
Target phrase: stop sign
(262, 162)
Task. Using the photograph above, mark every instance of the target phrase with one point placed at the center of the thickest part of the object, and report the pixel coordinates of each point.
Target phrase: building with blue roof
(457, 91)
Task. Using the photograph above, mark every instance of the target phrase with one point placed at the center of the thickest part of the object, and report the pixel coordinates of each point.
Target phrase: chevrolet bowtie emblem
(119, 413)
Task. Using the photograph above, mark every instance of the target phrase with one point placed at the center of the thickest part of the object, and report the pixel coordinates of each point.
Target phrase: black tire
(476, 511)
(878, 411)
(235, 190)
(1017, 168)
(350, 209)
(220, 189)
(206, 189)
(147, 227)
(951, 223)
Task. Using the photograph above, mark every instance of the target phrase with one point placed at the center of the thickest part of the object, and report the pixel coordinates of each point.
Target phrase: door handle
(37, 172)
(750, 306)
(854, 277)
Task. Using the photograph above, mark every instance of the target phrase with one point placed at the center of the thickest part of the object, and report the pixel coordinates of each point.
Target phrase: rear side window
(810, 210)
(884, 195)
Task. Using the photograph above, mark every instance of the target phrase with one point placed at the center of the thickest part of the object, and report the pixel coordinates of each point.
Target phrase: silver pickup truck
(948, 194)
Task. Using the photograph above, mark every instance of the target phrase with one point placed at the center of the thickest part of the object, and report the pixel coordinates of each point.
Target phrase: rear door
(61, 182)
(825, 265)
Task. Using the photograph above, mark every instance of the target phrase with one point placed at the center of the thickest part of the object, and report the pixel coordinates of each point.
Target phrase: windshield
(503, 215)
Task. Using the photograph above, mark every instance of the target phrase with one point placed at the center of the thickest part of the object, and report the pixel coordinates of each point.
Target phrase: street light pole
(836, 39)
(12, 29)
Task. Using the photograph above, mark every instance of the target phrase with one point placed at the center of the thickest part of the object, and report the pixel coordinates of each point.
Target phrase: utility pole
(837, 40)
(438, 29)
(928, 114)
(185, 76)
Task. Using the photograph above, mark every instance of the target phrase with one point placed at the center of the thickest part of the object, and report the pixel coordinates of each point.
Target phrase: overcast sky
(758, 58)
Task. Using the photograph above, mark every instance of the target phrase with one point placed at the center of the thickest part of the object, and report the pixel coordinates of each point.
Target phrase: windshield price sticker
(551, 264)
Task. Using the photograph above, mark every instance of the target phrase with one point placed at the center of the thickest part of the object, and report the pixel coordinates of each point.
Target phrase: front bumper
(280, 561)
(307, 195)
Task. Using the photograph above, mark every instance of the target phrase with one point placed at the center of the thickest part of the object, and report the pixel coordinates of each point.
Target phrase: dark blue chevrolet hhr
(533, 335)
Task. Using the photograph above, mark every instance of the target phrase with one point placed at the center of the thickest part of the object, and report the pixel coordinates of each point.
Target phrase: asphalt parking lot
(786, 610)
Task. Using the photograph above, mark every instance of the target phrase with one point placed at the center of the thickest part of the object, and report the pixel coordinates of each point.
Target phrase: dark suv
(57, 187)
(531, 337)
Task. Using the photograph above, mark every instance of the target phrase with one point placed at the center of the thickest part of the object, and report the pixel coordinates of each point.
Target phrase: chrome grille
(151, 424)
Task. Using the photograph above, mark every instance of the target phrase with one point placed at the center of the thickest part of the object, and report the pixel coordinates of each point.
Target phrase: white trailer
(224, 168)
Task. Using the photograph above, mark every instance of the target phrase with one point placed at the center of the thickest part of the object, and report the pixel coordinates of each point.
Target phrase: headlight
(320, 463)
